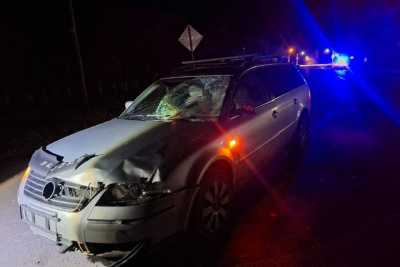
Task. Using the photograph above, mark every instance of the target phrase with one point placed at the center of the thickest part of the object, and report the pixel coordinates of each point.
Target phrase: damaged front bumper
(151, 221)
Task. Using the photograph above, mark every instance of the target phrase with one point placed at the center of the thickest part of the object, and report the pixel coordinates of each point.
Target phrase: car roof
(224, 66)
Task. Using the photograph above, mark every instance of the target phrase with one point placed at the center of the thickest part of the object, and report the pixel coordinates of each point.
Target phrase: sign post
(190, 38)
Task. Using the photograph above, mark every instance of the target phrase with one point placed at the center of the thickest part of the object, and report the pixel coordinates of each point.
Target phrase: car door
(280, 81)
(297, 92)
(254, 128)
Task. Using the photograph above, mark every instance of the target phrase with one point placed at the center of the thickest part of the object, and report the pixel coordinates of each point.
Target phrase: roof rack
(250, 57)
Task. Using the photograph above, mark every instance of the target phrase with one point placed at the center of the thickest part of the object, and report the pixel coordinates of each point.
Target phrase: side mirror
(247, 109)
(127, 104)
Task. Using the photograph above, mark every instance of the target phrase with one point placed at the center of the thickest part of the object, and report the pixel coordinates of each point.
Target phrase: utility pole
(78, 52)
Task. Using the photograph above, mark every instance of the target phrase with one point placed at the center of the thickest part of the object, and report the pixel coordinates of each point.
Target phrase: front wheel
(211, 216)
(212, 210)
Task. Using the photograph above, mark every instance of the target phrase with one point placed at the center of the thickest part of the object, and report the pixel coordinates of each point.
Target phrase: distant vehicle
(173, 160)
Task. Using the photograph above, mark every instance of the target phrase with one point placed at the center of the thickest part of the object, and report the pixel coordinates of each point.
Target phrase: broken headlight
(132, 193)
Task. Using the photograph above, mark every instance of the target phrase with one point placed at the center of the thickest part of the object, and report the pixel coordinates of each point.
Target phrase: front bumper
(151, 221)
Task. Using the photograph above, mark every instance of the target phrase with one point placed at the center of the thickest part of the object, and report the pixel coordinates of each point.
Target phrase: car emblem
(49, 190)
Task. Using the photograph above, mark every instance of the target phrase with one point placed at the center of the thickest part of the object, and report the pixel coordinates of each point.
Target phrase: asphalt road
(341, 210)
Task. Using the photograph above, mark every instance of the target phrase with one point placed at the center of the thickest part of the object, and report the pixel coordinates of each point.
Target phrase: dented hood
(100, 139)
(120, 148)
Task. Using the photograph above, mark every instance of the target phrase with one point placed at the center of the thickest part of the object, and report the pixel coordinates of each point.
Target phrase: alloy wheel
(217, 199)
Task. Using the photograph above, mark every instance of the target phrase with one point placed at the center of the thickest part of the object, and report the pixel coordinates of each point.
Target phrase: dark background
(343, 209)
(124, 45)
(127, 44)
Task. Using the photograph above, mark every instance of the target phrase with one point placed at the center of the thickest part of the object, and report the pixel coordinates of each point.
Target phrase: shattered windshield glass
(199, 97)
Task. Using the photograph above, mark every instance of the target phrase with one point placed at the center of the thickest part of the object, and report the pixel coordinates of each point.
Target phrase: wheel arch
(199, 174)
(219, 161)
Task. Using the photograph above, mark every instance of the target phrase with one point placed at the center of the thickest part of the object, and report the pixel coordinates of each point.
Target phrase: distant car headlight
(132, 193)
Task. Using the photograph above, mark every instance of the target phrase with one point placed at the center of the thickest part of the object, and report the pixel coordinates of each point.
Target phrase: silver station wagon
(173, 160)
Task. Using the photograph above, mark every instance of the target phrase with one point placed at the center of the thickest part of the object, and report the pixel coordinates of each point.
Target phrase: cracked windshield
(193, 98)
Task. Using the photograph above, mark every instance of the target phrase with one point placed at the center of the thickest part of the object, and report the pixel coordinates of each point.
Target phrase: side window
(273, 80)
(295, 79)
(251, 90)
(281, 78)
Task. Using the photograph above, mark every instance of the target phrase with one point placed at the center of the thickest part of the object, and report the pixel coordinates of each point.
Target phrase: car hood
(100, 139)
(118, 149)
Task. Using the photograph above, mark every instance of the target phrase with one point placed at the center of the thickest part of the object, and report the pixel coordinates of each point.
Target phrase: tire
(211, 216)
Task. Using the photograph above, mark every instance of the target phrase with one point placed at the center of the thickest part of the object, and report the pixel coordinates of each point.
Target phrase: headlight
(132, 193)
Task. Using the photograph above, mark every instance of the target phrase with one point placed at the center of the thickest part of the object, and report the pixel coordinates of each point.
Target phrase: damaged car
(172, 161)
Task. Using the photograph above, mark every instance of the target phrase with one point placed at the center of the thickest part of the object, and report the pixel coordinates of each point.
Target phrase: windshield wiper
(143, 116)
(178, 116)
(194, 117)
(126, 114)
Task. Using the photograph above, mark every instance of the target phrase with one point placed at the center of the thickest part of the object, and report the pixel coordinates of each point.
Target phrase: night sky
(134, 41)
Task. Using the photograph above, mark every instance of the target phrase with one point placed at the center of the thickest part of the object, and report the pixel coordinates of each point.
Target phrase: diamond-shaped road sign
(190, 38)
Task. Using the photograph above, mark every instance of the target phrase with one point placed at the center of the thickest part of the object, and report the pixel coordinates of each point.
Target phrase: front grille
(72, 197)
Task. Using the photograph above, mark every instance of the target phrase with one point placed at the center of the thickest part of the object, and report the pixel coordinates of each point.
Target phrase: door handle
(275, 114)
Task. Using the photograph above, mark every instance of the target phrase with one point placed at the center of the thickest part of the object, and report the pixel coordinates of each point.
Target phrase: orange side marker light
(232, 143)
